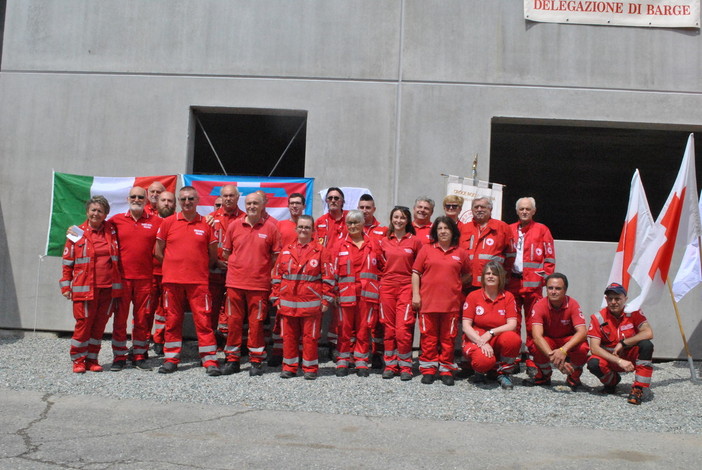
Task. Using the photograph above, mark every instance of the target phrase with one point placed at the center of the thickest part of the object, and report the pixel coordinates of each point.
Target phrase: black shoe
(231, 367)
(448, 380)
(612, 389)
(275, 361)
(405, 376)
(310, 376)
(388, 374)
(117, 366)
(574, 384)
(158, 349)
(141, 364)
(168, 368)
(256, 369)
(478, 378)
(377, 361)
(286, 374)
(213, 371)
(342, 371)
(363, 372)
(428, 379)
(535, 382)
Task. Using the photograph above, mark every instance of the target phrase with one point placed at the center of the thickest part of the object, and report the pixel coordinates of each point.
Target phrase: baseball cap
(616, 288)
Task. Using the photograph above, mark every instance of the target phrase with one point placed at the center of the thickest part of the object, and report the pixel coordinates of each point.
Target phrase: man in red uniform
(423, 210)
(136, 232)
(486, 239)
(187, 247)
(621, 342)
(373, 229)
(288, 227)
(166, 208)
(328, 229)
(302, 290)
(558, 333)
(251, 246)
(154, 191)
(535, 259)
(220, 220)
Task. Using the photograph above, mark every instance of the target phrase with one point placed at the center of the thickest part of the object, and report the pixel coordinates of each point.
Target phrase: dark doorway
(580, 176)
(249, 142)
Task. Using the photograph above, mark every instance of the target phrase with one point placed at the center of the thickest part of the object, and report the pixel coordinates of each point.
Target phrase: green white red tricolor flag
(678, 222)
(71, 192)
(637, 224)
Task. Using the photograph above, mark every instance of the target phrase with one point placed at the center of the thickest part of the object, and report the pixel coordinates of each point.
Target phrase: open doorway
(247, 141)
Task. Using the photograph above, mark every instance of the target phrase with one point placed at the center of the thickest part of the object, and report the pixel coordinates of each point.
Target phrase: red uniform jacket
(368, 277)
(493, 243)
(79, 265)
(539, 257)
(328, 230)
(302, 284)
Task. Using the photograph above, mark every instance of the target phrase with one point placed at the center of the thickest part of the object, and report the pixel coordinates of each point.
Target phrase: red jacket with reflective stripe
(368, 277)
(538, 258)
(494, 242)
(79, 265)
(302, 284)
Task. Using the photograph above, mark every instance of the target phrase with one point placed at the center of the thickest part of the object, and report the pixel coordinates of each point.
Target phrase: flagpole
(693, 376)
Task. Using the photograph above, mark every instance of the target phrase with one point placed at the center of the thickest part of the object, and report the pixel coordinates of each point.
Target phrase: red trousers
(356, 322)
(156, 313)
(642, 373)
(577, 356)
(292, 328)
(198, 295)
(137, 292)
(91, 317)
(398, 318)
(277, 334)
(505, 347)
(334, 313)
(219, 317)
(252, 304)
(437, 339)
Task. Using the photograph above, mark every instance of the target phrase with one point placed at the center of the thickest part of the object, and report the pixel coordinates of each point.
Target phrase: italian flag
(71, 192)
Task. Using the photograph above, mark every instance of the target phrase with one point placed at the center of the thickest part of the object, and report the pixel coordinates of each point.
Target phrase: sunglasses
(218, 205)
(136, 196)
(451, 206)
(186, 198)
(333, 198)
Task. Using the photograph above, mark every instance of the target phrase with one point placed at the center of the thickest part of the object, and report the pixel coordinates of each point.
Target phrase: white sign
(464, 187)
(649, 13)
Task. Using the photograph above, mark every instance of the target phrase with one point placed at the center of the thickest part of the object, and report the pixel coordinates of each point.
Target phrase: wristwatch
(492, 333)
(624, 345)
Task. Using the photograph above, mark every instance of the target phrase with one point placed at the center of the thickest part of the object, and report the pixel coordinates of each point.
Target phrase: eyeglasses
(136, 196)
(218, 205)
(333, 198)
(186, 198)
(451, 206)
(304, 227)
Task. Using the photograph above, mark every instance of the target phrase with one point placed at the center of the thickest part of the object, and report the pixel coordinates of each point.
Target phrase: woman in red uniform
(399, 249)
(490, 342)
(438, 274)
(358, 264)
(92, 280)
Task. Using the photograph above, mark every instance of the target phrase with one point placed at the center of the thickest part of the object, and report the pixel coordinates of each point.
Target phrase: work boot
(363, 372)
(448, 380)
(168, 368)
(310, 376)
(117, 366)
(231, 367)
(256, 369)
(79, 367)
(612, 388)
(287, 374)
(158, 349)
(342, 371)
(505, 381)
(428, 379)
(275, 361)
(635, 396)
(141, 364)
(405, 376)
(388, 374)
(93, 366)
(213, 371)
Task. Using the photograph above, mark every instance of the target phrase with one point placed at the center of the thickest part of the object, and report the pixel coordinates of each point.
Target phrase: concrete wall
(397, 92)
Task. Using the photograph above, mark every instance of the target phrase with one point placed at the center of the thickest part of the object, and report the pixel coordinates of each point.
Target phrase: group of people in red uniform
(372, 282)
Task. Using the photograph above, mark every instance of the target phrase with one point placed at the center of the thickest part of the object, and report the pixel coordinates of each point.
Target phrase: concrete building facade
(396, 92)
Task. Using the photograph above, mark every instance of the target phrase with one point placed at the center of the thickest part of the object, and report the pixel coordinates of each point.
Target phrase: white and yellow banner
(648, 13)
(464, 187)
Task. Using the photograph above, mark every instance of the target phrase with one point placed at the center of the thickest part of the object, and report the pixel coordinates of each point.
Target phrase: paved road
(49, 431)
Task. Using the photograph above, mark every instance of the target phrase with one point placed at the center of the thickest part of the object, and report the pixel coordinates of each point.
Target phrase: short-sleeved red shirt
(136, 243)
(557, 322)
(423, 232)
(486, 313)
(615, 329)
(399, 255)
(288, 232)
(252, 249)
(186, 256)
(441, 273)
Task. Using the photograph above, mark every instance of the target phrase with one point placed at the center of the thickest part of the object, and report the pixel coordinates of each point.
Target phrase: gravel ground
(674, 404)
